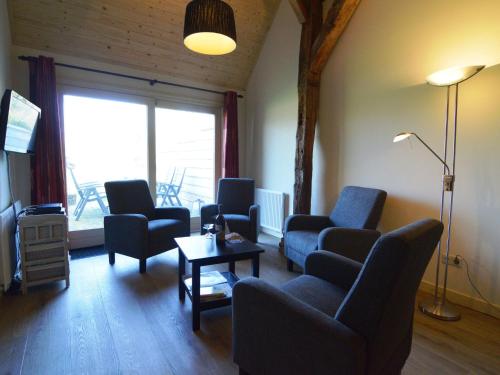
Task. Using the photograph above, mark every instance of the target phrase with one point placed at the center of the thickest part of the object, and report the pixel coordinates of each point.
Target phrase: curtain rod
(152, 82)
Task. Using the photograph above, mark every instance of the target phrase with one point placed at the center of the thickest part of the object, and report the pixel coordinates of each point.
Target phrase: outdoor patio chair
(171, 190)
(163, 186)
(88, 192)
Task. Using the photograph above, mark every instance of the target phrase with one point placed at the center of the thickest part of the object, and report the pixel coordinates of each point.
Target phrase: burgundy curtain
(230, 143)
(48, 172)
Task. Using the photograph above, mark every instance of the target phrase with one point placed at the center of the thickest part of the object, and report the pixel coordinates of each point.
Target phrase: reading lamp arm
(431, 150)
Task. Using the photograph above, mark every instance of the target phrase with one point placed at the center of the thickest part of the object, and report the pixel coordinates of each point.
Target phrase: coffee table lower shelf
(215, 303)
(201, 251)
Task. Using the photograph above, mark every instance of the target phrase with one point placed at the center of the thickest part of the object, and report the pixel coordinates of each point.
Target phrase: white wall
(373, 87)
(272, 106)
(5, 82)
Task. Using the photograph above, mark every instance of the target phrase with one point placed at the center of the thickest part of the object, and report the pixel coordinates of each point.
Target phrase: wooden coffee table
(202, 251)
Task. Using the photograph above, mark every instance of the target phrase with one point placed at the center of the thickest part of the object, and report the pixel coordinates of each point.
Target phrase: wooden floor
(114, 320)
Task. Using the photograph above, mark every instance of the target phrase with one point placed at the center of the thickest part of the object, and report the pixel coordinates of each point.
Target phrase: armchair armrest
(275, 333)
(306, 222)
(207, 211)
(351, 243)
(126, 233)
(177, 213)
(253, 213)
(333, 268)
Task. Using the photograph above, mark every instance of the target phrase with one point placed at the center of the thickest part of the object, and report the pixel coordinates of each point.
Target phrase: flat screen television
(18, 121)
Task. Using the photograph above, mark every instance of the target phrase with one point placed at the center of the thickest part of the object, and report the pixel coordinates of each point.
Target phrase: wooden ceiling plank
(99, 51)
(175, 19)
(93, 20)
(134, 51)
(145, 35)
(211, 78)
(104, 34)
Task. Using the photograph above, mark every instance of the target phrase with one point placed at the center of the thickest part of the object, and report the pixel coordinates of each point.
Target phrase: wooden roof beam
(334, 24)
(300, 10)
(318, 38)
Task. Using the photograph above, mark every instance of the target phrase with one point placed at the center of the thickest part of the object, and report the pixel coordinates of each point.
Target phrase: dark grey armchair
(135, 227)
(341, 317)
(350, 230)
(237, 197)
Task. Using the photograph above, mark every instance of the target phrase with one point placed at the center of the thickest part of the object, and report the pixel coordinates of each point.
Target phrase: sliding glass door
(105, 139)
(118, 137)
(185, 159)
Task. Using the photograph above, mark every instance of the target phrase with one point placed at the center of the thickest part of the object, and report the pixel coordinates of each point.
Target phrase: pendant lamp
(209, 27)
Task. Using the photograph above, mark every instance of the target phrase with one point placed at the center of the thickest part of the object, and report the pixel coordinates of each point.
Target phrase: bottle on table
(220, 227)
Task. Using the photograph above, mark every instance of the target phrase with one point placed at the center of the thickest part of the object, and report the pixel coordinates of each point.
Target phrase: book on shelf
(211, 293)
(213, 286)
(207, 279)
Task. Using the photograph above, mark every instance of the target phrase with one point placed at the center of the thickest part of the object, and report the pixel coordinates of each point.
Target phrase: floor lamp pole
(448, 240)
(439, 307)
(441, 212)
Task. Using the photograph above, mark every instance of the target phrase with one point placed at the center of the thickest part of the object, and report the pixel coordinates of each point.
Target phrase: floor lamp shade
(453, 76)
(209, 27)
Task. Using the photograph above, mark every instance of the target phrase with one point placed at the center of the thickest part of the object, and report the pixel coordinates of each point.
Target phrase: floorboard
(114, 320)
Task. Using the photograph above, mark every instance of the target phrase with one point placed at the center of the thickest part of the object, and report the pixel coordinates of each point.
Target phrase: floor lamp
(438, 307)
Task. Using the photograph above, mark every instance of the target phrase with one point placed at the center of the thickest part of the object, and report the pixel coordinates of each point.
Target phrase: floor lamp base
(439, 310)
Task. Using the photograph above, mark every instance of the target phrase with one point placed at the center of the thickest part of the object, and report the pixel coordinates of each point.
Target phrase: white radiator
(272, 210)
(7, 246)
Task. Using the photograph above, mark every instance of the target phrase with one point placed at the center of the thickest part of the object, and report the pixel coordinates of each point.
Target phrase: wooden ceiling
(140, 34)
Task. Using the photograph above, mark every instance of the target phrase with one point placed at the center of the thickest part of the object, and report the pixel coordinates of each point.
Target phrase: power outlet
(453, 260)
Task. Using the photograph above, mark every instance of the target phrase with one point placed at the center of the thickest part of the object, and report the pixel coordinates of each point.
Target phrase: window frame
(95, 237)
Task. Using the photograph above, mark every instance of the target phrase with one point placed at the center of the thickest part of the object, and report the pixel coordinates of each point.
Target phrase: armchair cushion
(162, 233)
(333, 268)
(320, 294)
(353, 243)
(177, 213)
(236, 220)
(299, 244)
(358, 207)
(307, 222)
(235, 217)
(236, 195)
(130, 197)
